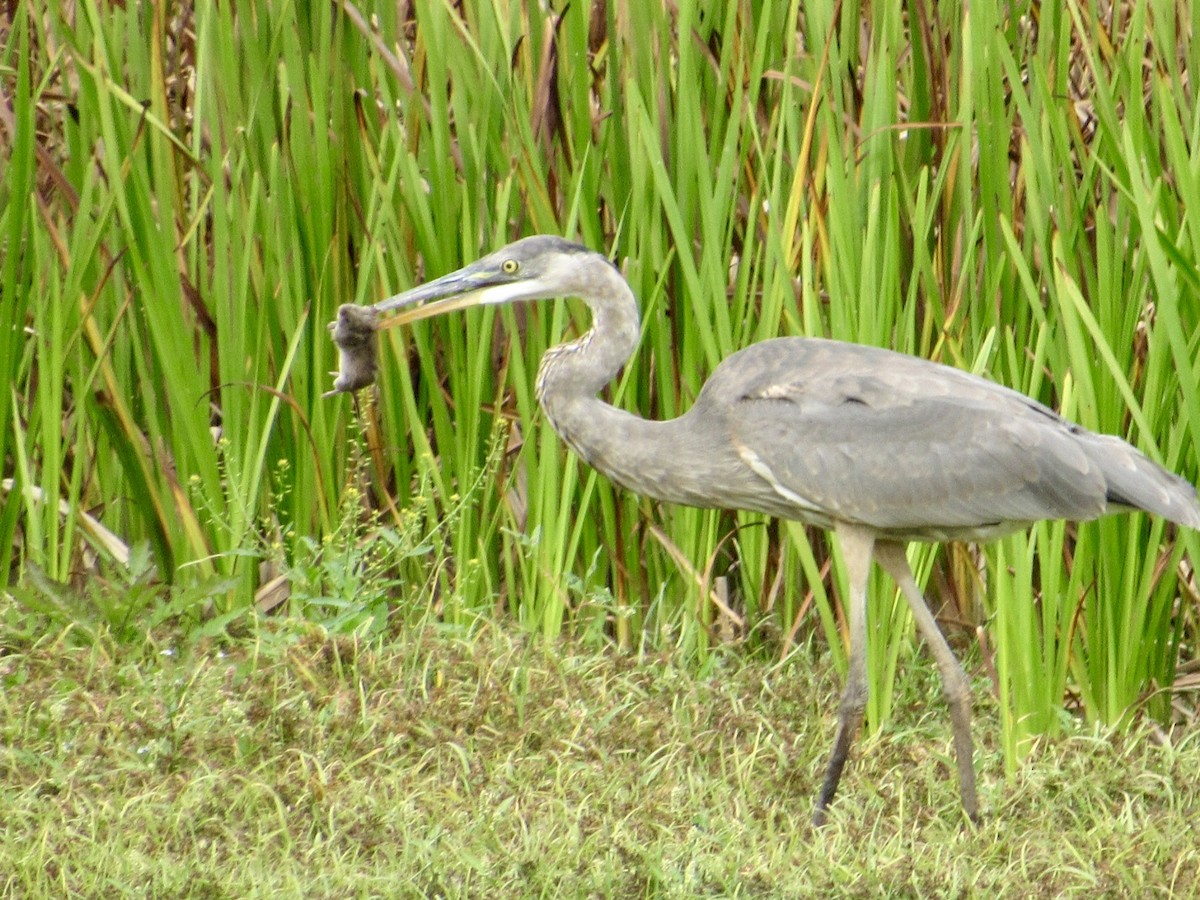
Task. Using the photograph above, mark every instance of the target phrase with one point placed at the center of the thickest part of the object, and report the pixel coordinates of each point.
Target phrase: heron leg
(857, 545)
(892, 559)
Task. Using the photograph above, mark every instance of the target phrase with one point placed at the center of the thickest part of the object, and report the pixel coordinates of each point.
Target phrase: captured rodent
(354, 332)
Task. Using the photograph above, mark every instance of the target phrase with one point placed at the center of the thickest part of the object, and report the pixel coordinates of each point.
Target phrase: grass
(183, 205)
(484, 764)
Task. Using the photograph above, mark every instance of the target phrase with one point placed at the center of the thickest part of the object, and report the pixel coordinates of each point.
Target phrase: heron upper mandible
(880, 447)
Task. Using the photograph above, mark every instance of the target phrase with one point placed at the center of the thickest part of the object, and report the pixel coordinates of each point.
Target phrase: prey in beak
(355, 330)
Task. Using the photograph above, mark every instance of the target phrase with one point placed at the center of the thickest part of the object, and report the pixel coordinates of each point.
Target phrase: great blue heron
(880, 447)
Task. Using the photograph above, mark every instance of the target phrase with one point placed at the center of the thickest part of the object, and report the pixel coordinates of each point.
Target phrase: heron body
(880, 447)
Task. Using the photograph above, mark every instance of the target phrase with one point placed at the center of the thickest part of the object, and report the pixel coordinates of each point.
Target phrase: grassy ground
(188, 192)
(490, 766)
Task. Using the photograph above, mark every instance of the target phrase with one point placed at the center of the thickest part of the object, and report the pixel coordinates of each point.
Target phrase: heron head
(533, 268)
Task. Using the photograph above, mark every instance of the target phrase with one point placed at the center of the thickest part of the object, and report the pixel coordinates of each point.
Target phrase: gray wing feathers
(910, 446)
(1136, 482)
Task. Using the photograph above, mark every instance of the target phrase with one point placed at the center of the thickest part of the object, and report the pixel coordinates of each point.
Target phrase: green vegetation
(185, 202)
(300, 766)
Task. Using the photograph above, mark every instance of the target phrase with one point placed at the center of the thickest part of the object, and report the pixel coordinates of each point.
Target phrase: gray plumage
(881, 447)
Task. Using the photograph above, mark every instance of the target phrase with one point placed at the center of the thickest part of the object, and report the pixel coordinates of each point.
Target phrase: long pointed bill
(458, 290)
(355, 329)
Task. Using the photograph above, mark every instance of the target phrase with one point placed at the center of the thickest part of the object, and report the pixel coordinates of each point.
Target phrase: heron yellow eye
(510, 266)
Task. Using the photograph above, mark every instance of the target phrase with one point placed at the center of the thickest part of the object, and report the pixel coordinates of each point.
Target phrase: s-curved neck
(639, 454)
(572, 374)
(578, 370)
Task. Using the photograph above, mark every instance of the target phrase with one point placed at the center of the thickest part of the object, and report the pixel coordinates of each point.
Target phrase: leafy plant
(186, 201)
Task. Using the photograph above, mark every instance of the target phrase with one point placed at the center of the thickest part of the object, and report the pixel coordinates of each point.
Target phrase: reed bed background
(189, 192)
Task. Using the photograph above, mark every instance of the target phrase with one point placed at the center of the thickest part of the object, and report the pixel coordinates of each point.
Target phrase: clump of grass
(1002, 188)
(487, 764)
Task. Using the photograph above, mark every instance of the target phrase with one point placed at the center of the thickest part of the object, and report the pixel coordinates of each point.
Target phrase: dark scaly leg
(857, 544)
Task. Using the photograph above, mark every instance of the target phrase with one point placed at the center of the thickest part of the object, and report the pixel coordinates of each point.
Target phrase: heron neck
(572, 374)
(636, 453)
(582, 367)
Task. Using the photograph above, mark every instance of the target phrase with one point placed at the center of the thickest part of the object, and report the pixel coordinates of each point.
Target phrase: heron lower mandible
(880, 447)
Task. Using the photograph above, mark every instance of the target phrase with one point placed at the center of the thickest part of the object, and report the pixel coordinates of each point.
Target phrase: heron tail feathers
(1137, 482)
